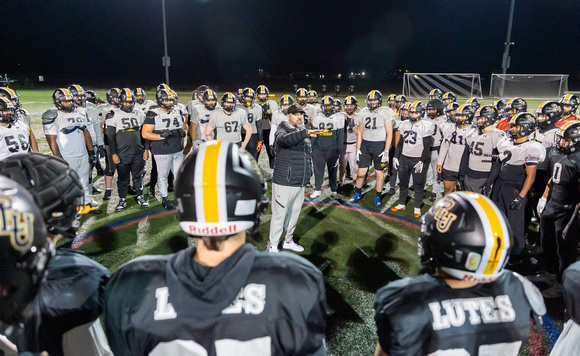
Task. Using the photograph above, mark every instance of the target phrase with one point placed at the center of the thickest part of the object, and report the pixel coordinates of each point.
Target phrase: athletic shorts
(370, 151)
(449, 176)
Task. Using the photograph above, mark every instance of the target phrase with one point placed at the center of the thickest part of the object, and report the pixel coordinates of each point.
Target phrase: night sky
(109, 43)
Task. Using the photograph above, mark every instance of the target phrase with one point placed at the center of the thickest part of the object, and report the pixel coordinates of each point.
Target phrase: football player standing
(14, 134)
(21, 114)
(302, 97)
(221, 297)
(199, 116)
(467, 304)
(269, 107)
(348, 152)
(373, 143)
(228, 123)
(436, 116)
(254, 118)
(570, 105)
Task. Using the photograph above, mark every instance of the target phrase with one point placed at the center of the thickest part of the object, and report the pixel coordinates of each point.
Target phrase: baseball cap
(293, 109)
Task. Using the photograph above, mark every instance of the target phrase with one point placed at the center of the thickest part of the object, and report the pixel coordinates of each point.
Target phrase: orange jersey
(568, 119)
(503, 125)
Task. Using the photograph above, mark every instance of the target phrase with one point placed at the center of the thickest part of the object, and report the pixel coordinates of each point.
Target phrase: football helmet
(248, 96)
(240, 95)
(199, 92)
(92, 97)
(500, 106)
(301, 96)
(337, 105)
(522, 125)
(416, 107)
(435, 94)
(486, 116)
(467, 236)
(400, 101)
(377, 100)
(206, 97)
(548, 113)
(405, 111)
(24, 251)
(113, 96)
(473, 102)
(328, 105)
(165, 99)
(572, 100)
(516, 105)
(350, 100)
(126, 100)
(7, 112)
(229, 99)
(463, 115)
(219, 190)
(10, 95)
(79, 94)
(163, 86)
(569, 132)
(63, 100)
(56, 188)
(262, 92)
(312, 97)
(449, 97)
(434, 108)
(391, 100)
(140, 95)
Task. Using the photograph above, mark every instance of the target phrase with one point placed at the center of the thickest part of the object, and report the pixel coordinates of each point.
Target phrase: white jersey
(277, 118)
(181, 109)
(481, 147)
(69, 129)
(546, 138)
(453, 146)
(90, 126)
(526, 153)
(22, 114)
(254, 114)
(273, 108)
(309, 113)
(14, 138)
(373, 123)
(95, 121)
(200, 115)
(146, 106)
(438, 124)
(349, 124)
(228, 127)
(412, 135)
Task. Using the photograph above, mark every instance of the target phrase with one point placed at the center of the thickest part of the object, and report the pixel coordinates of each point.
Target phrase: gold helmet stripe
(209, 179)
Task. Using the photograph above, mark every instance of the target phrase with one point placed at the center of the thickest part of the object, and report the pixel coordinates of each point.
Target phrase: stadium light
(505, 63)
(165, 60)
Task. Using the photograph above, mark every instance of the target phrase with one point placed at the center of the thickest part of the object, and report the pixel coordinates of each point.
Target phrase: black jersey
(565, 171)
(71, 295)
(252, 303)
(423, 315)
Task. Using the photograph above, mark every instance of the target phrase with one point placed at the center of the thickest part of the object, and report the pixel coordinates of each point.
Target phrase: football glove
(486, 189)
(384, 157)
(517, 203)
(358, 153)
(395, 163)
(182, 132)
(259, 146)
(102, 152)
(165, 133)
(541, 205)
(419, 167)
(93, 158)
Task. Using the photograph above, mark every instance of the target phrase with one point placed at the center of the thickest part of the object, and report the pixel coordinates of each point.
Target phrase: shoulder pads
(150, 113)
(532, 294)
(49, 116)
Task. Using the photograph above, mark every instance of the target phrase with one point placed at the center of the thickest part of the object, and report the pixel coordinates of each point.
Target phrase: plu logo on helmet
(219, 190)
(467, 236)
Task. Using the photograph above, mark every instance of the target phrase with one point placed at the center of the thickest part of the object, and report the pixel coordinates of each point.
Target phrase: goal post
(529, 86)
(463, 85)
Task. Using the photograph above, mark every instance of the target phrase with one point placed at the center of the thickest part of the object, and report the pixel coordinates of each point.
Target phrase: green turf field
(359, 248)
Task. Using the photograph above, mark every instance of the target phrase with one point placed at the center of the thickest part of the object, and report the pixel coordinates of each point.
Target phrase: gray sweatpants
(474, 184)
(166, 163)
(82, 167)
(286, 205)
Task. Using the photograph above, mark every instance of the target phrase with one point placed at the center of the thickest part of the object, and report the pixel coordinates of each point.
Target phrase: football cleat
(377, 201)
(356, 197)
(399, 207)
(292, 246)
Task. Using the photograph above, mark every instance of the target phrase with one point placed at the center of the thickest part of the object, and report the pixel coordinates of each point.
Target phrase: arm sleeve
(399, 149)
(495, 167)
(464, 163)
(427, 142)
(340, 138)
(111, 138)
(260, 130)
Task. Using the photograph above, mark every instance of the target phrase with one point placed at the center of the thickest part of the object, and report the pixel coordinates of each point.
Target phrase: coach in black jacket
(292, 171)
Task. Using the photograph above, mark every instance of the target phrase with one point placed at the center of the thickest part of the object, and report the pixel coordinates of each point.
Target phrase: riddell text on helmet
(232, 229)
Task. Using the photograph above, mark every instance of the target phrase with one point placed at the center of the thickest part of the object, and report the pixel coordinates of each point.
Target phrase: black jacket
(293, 164)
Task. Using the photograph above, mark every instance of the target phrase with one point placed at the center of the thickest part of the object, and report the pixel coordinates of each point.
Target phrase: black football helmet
(486, 116)
(165, 99)
(62, 96)
(451, 111)
(572, 100)
(248, 97)
(350, 100)
(400, 101)
(312, 97)
(140, 95)
(79, 94)
(374, 95)
(570, 132)
(337, 105)
(223, 195)
(548, 113)
(448, 98)
(92, 97)
(522, 125)
(262, 92)
(328, 105)
(405, 111)
(516, 105)
(11, 95)
(435, 94)
(56, 188)
(7, 112)
(501, 106)
(127, 100)
(434, 108)
(391, 100)
(24, 251)
(301, 96)
(473, 102)
(197, 93)
(467, 236)
(416, 107)
(113, 96)
(229, 99)
(163, 86)
(463, 115)
(207, 96)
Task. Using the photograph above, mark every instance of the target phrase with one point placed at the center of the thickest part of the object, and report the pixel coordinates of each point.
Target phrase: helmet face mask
(486, 116)
(248, 96)
(400, 101)
(328, 105)
(127, 100)
(165, 99)
(262, 93)
(570, 104)
(228, 102)
(568, 138)
(7, 112)
(11, 95)
(435, 94)
(515, 106)
(63, 100)
(113, 96)
(374, 100)
(140, 95)
(416, 111)
(312, 97)
(209, 99)
(548, 113)
(522, 125)
(350, 104)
